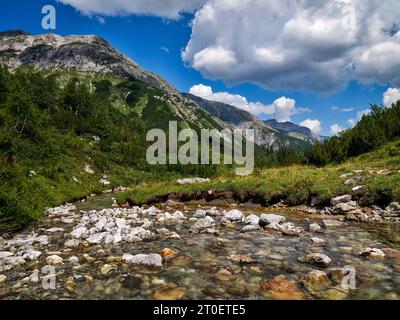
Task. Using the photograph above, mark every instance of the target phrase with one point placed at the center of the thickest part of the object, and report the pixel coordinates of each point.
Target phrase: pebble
(106, 269)
(315, 227)
(73, 243)
(54, 260)
(73, 260)
(3, 278)
(317, 240)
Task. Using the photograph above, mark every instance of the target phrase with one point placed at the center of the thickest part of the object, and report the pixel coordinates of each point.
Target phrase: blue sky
(156, 44)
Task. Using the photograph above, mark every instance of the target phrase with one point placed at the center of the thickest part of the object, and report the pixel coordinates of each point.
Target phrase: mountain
(267, 134)
(288, 127)
(292, 128)
(96, 63)
(88, 53)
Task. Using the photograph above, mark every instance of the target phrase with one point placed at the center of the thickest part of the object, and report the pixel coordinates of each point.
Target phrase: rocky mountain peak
(80, 53)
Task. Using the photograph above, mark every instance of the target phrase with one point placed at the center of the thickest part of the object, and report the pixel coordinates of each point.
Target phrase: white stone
(154, 260)
(373, 253)
(331, 223)
(5, 254)
(317, 240)
(73, 260)
(55, 230)
(54, 260)
(341, 199)
(79, 232)
(315, 227)
(96, 238)
(250, 228)
(252, 219)
(200, 213)
(271, 218)
(233, 216)
(73, 243)
(202, 224)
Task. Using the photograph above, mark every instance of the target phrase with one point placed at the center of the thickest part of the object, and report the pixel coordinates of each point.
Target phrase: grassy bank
(298, 184)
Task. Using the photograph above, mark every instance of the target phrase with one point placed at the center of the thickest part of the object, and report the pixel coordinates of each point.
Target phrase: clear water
(193, 274)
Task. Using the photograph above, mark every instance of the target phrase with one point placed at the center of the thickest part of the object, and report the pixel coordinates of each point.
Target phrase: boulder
(343, 208)
(394, 207)
(202, 224)
(233, 216)
(252, 219)
(341, 199)
(267, 219)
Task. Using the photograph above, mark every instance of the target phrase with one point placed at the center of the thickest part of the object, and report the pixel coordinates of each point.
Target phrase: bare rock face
(86, 54)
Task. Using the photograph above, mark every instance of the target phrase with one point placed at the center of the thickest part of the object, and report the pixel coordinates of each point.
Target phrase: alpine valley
(77, 194)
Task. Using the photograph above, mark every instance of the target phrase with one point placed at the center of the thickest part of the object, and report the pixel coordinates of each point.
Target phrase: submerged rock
(168, 253)
(318, 259)
(373, 253)
(169, 293)
(153, 260)
(250, 228)
(331, 223)
(316, 280)
(281, 289)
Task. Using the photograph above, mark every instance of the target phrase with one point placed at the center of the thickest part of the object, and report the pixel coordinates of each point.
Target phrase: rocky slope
(265, 135)
(85, 53)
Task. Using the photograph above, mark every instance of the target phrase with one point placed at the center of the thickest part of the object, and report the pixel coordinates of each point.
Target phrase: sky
(313, 62)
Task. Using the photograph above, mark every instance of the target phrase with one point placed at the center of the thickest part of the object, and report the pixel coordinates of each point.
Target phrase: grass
(298, 184)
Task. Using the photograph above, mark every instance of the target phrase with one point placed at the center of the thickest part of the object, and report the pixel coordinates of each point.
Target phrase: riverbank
(369, 185)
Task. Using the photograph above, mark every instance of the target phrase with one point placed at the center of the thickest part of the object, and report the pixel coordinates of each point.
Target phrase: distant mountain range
(268, 133)
(129, 86)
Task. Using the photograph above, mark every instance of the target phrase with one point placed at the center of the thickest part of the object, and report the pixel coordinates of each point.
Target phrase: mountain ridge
(267, 134)
(83, 53)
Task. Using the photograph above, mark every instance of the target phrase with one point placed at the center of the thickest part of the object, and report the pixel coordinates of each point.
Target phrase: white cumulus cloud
(170, 9)
(313, 125)
(312, 45)
(336, 129)
(281, 109)
(391, 96)
(360, 114)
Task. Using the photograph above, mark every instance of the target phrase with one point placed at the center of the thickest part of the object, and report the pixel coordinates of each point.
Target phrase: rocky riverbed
(96, 250)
